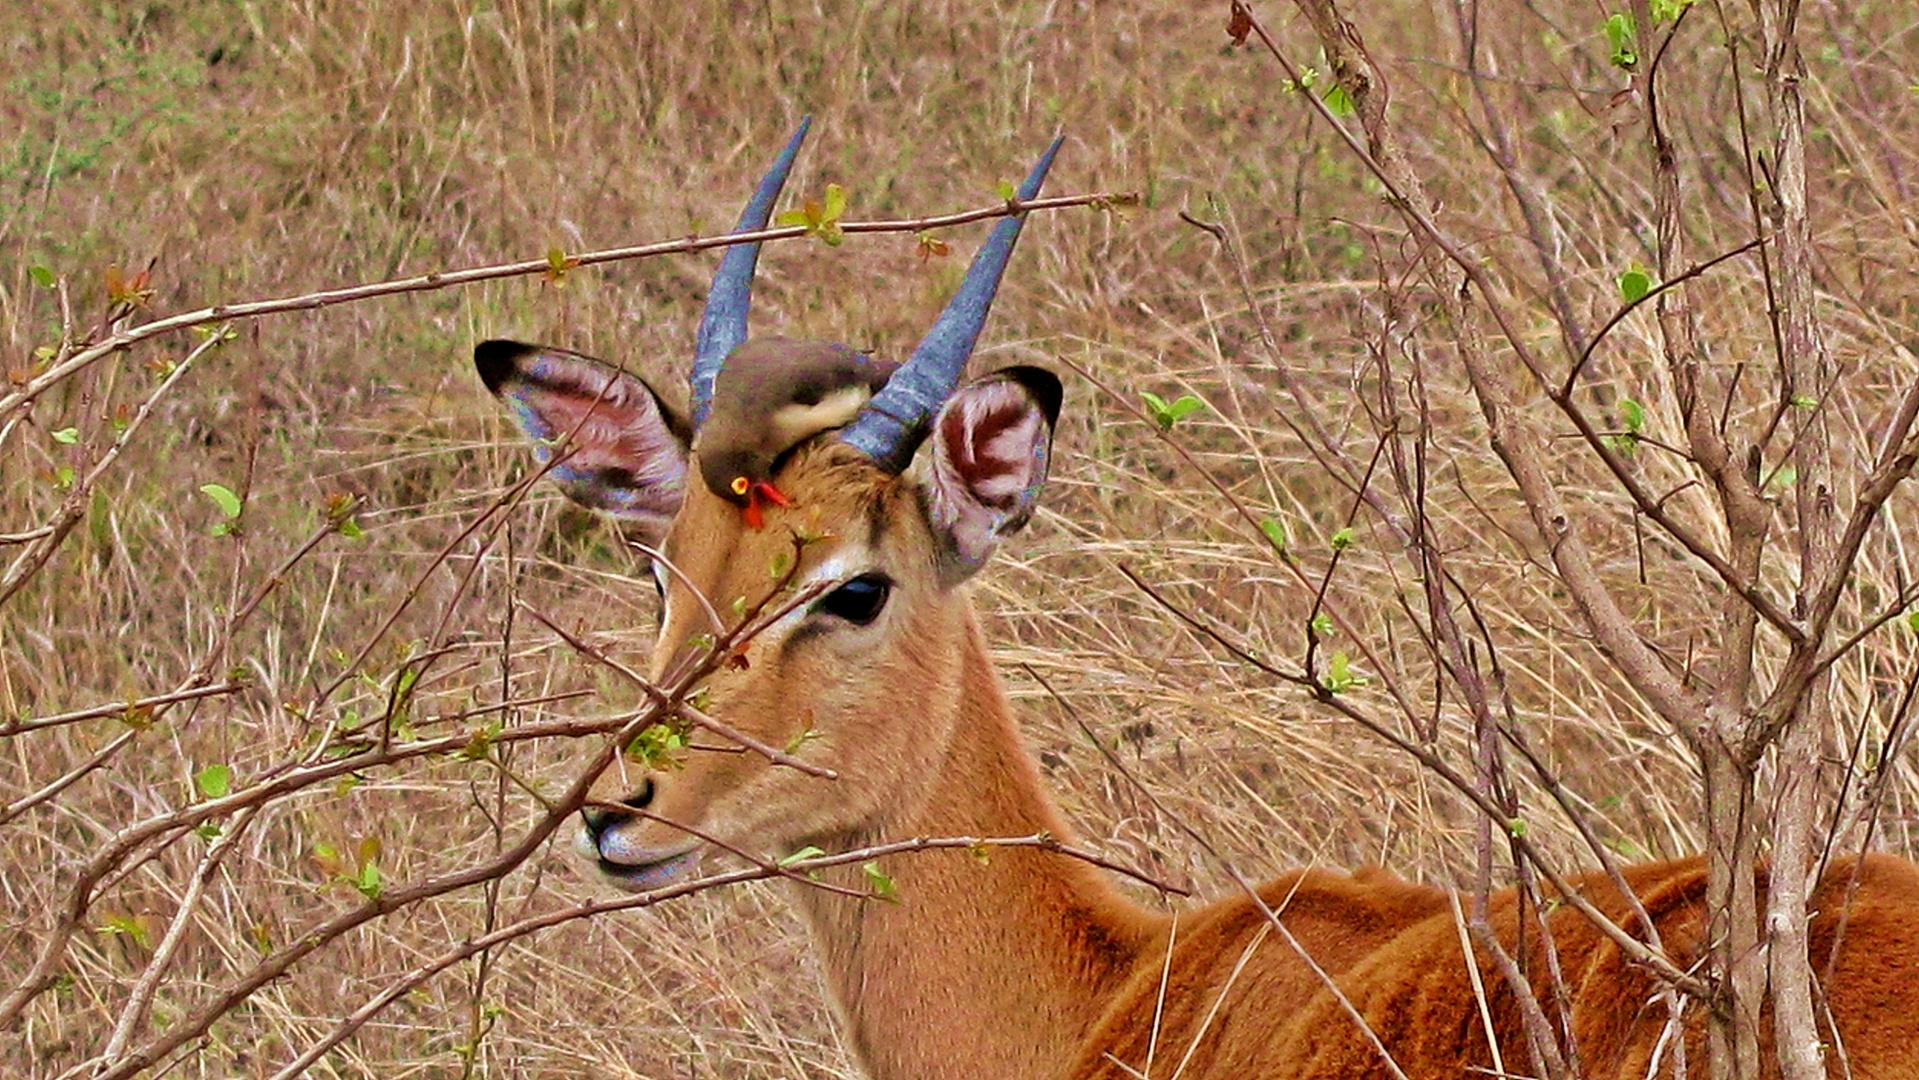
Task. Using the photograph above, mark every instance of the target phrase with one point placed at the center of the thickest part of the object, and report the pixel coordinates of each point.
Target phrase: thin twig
(450, 278)
(133, 709)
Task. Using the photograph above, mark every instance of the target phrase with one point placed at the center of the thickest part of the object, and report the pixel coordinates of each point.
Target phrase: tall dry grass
(251, 150)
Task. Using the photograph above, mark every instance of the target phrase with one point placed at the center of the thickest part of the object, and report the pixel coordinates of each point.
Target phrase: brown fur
(1030, 964)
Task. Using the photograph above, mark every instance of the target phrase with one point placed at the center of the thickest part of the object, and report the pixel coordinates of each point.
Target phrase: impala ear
(991, 445)
(623, 450)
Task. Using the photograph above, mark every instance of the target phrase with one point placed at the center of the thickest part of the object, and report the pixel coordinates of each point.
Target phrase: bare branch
(446, 279)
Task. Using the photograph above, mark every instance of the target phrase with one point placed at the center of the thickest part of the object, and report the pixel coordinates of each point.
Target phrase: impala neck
(994, 967)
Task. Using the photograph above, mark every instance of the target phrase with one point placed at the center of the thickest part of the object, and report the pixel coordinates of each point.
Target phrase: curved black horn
(723, 326)
(889, 429)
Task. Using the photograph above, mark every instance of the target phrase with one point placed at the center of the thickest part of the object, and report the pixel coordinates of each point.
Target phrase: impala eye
(860, 600)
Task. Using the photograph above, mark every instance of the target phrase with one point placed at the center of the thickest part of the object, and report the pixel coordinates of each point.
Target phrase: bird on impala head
(772, 394)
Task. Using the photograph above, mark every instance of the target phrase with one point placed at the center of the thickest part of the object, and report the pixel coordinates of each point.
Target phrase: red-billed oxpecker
(772, 394)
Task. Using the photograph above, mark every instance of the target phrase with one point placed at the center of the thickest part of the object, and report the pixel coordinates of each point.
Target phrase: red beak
(761, 491)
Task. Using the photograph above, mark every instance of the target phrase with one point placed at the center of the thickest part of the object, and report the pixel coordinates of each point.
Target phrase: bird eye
(860, 600)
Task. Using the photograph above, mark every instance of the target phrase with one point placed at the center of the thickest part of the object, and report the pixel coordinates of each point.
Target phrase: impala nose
(598, 819)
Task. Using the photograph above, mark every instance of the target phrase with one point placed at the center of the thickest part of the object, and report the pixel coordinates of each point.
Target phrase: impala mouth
(647, 876)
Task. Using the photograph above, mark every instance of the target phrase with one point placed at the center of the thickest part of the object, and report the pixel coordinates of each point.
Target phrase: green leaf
(1165, 414)
(1517, 827)
(882, 885)
(368, 882)
(656, 747)
(214, 781)
(1634, 284)
(1799, 401)
(1322, 624)
(1275, 532)
(1007, 192)
(1344, 539)
(481, 743)
(42, 276)
(125, 925)
(1632, 415)
(327, 858)
(835, 204)
(1668, 11)
(800, 856)
(1912, 622)
(224, 498)
(1338, 101)
(67, 436)
(820, 221)
(1186, 406)
(1339, 674)
(1623, 37)
(557, 264)
(207, 830)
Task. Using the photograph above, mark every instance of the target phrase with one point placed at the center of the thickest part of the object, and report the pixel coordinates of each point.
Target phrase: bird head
(771, 395)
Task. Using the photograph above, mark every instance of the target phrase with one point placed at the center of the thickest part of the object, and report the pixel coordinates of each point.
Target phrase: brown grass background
(257, 149)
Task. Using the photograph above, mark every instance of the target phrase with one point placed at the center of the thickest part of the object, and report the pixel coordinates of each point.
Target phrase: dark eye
(860, 600)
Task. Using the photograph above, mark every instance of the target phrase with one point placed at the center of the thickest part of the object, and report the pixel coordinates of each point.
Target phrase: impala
(1030, 963)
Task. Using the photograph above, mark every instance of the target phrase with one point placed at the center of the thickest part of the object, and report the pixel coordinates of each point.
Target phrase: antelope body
(1028, 963)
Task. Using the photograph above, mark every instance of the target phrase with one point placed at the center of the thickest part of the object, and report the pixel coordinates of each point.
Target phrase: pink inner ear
(620, 434)
(988, 438)
(624, 455)
(989, 457)
(617, 428)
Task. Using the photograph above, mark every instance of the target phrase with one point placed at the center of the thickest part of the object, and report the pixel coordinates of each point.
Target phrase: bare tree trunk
(1808, 376)
(1732, 850)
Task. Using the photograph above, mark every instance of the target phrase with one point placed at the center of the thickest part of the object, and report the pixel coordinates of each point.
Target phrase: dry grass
(254, 150)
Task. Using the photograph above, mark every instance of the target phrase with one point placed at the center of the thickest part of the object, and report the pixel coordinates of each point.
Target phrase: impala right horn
(894, 423)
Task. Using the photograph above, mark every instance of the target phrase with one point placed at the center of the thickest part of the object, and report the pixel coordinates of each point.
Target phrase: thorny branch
(446, 279)
(1517, 446)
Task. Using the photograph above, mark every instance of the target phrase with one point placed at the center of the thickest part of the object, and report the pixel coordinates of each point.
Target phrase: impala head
(789, 480)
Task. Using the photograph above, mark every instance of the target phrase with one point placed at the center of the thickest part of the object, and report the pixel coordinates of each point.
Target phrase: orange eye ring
(740, 485)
